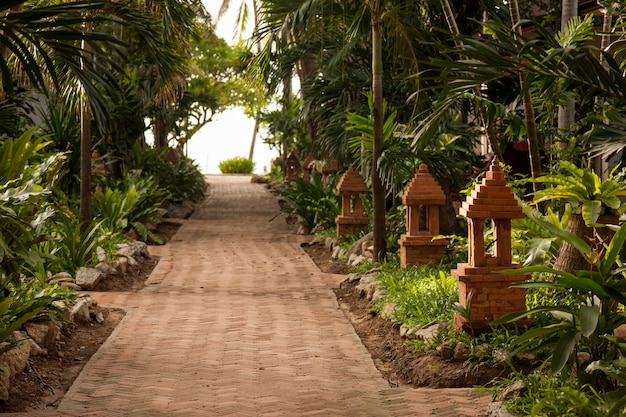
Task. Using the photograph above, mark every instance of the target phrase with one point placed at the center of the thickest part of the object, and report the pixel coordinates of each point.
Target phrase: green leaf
(536, 250)
(591, 210)
(589, 316)
(563, 350)
(571, 238)
(613, 250)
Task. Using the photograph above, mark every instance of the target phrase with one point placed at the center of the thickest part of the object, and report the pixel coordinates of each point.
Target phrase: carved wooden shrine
(491, 292)
(352, 218)
(422, 198)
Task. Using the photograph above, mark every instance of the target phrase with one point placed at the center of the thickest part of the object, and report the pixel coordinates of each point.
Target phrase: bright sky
(230, 134)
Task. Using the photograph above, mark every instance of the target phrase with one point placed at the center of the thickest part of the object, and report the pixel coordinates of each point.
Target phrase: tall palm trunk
(529, 112)
(567, 113)
(378, 192)
(84, 211)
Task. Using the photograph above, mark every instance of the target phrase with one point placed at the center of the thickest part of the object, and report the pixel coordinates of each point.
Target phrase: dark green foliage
(316, 205)
(130, 202)
(182, 179)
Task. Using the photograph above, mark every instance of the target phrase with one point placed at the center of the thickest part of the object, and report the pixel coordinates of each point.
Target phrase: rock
(353, 277)
(357, 247)
(501, 355)
(337, 252)
(583, 358)
(70, 285)
(387, 311)
(526, 358)
(445, 350)
(620, 331)
(44, 333)
(497, 409)
(101, 254)
(368, 254)
(407, 331)
(88, 278)
(99, 318)
(513, 391)
(303, 230)
(104, 267)
(80, 312)
(355, 260)
(461, 352)
(129, 260)
(331, 242)
(141, 248)
(430, 331)
(16, 358)
(366, 290)
(127, 251)
(35, 349)
(182, 210)
(122, 265)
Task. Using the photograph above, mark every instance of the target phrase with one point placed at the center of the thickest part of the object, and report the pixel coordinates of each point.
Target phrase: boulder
(14, 361)
(101, 254)
(461, 352)
(80, 312)
(44, 333)
(88, 278)
(357, 247)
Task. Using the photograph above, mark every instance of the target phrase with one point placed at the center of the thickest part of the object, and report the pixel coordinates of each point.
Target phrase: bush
(130, 202)
(182, 179)
(314, 204)
(237, 165)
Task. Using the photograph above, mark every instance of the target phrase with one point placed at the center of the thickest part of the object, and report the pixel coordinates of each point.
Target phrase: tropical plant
(314, 203)
(595, 309)
(28, 300)
(24, 188)
(130, 202)
(590, 197)
(182, 178)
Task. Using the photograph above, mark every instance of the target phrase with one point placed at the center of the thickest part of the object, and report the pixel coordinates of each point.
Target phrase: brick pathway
(236, 320)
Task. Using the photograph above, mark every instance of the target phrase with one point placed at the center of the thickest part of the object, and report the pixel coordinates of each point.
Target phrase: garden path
(236, 320)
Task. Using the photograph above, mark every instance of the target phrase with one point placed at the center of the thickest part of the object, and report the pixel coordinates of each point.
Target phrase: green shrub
(130, 202)
(182, 179)
(315, 204)
(237, 165)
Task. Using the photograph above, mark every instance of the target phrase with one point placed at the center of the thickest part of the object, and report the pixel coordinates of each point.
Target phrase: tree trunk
(85, 214)
(161, 129)
(569, 258)
(378, 192)
(253, 141)
(567, 113)
(529, 112)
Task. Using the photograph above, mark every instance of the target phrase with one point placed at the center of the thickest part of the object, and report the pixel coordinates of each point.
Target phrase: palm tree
(76, 44)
